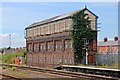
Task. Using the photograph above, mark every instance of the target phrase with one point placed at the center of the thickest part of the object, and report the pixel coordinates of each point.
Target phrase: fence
(107, 58)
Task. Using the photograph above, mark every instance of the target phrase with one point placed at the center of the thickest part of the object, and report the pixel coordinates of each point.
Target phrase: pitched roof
(108, 43)
(57, 18)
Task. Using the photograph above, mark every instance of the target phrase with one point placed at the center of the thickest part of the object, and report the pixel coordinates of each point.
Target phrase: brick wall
(54, 51)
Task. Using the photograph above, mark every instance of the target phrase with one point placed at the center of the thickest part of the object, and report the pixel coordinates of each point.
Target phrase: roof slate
(108, 43)
(57, 18)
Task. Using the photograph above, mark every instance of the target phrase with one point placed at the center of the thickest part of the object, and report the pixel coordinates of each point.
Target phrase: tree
(81, 29)
(2, 50)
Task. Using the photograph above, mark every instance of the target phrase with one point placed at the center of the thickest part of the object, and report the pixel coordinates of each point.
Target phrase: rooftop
(109, 43)
(59, 17)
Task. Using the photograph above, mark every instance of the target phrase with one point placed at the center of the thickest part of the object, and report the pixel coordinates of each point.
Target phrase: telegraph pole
(10, 40)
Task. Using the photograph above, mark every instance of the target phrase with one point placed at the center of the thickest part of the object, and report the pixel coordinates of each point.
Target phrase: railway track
(9, 77)
(65, 73)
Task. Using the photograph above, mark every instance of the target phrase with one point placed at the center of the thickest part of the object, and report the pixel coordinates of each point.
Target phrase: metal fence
(107, 58)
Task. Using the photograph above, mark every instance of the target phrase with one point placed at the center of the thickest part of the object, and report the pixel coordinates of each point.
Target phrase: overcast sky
(18, 15)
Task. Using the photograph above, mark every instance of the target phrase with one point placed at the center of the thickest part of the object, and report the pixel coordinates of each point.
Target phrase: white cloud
(16, 40)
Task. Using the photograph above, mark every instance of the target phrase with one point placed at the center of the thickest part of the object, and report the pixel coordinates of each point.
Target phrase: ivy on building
(81, 30)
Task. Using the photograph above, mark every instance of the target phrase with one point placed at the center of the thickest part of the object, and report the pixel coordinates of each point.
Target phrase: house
(110, 46)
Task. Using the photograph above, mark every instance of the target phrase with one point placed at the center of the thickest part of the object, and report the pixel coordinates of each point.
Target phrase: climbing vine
(81, 29)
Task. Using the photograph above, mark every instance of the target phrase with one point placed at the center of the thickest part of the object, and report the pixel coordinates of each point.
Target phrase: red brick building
(49, 43)
(110, 46)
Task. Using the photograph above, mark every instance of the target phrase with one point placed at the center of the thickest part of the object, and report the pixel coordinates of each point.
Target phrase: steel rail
(9, 77)
(63, 73)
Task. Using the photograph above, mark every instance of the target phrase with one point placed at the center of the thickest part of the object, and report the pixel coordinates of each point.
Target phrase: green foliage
(0, 57)
(13, 68)
(7, 58)
(2, 50)
(3, 67)
(81, 30)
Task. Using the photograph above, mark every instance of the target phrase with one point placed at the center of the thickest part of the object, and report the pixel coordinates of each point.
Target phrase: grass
(0, 58)
(13, 68)
(14, 71)
(3, 67)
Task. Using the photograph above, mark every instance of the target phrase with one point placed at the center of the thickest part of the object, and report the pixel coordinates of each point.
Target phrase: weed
(13, 68)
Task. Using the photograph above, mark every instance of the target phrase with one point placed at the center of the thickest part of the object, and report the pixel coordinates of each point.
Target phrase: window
(27, 33)
(39, 59)
(34, 34)
(57, 26)
(48, 46)
(34, 48)
(70, 61)
(62, 25)
(37, 33)
(39, 30)
(42, 30)
(56, 46)
(51, 59)
(66, 46)
(52, 46)
(70, 45)
(41, 47)
(29, 47)
(60, 46)
(31, 32)
(65, 60)
(55, 60)
(44, 47)
(52, 28)
(30, 59)
(60, 60)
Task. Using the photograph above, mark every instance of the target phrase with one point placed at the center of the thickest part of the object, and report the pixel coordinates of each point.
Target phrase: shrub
(7, 58)
(3, 67)
(13, 68)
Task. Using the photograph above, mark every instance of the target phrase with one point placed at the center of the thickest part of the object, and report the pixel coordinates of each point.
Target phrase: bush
(7, 58)
(13, 68)
(3, 67)
(0, 57)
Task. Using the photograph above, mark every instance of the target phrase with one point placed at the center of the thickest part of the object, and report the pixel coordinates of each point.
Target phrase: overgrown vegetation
(3, 67)
(81, 30)
(13, 68)
(7, 58)
(0, 58)
(2, 50)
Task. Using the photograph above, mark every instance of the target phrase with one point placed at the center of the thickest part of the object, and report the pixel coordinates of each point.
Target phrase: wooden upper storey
(57, 24)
